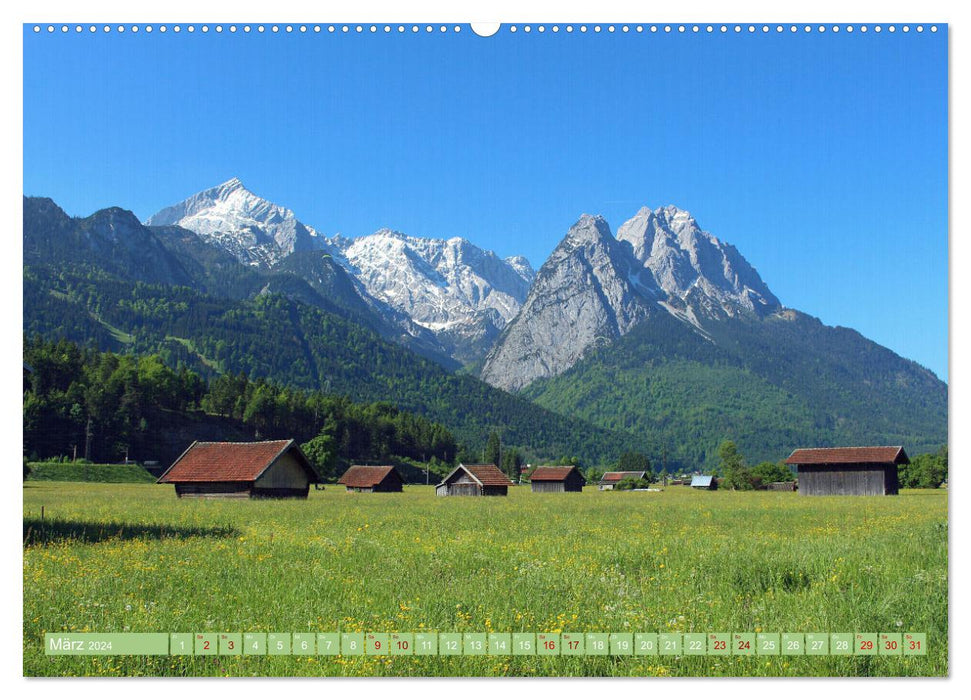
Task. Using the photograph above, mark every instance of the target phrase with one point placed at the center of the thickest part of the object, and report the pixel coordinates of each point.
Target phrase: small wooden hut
(557, 480)
(704, 481)
(384, 479)
(848, 471)
(610, 479)
(270, 469)
(474, 480)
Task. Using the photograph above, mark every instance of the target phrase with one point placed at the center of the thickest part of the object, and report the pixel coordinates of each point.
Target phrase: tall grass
(114, 558)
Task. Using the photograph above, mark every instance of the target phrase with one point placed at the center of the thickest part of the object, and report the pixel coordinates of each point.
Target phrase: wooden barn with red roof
(556, 480)
(474, 480)
(385, 479)
(270, 469)
(848, 471)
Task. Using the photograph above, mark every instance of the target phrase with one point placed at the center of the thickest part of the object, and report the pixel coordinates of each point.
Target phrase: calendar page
(438, 349)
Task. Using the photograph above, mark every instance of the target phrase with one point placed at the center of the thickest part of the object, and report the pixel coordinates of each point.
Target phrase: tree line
(81, 403)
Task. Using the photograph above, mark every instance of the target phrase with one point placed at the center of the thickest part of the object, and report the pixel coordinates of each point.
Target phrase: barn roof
(231, 461)
(614, 477)
(484, 474)
(551, 473)
(849, 455)
(362, 477)
(701, 480)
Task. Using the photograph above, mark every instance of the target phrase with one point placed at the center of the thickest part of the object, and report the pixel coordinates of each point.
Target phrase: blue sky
(821, 157)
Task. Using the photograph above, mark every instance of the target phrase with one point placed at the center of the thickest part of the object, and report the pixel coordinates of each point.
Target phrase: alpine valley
(661, 339)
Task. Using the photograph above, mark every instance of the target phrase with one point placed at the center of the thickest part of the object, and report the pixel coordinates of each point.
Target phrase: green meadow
(132, 557)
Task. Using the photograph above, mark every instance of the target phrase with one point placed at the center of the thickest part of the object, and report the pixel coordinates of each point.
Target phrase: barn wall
(219, 489)
(847, 480)
(390, 484)
(285, 473)
(547, 486)
(281, 492)
(464, 489)
(495, 490)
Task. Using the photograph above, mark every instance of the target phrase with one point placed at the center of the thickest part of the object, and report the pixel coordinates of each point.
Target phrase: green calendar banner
(93, 644)
(616, 644)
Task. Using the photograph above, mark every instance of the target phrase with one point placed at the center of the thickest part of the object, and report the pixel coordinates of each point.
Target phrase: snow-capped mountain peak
(461, 292)
(255, 230)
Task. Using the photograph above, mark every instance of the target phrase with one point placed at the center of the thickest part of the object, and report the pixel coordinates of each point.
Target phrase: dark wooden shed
(270, 469)
(474, 480)
(556, 480)
(384, 479)
(848, 471)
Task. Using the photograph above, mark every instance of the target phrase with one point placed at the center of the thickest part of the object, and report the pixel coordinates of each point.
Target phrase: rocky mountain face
(595, 287)
(589, 290)
(449, 296)
(112, 239)
(700, 275)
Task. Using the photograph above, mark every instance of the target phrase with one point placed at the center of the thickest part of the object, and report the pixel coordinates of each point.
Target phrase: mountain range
(662, 336)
